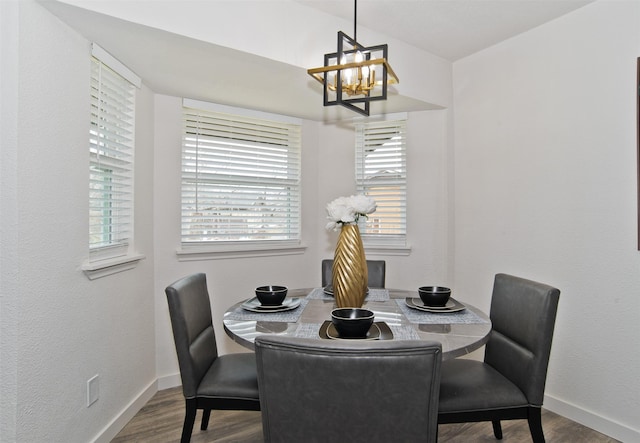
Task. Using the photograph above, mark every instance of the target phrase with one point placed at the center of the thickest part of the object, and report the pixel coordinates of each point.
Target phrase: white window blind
(381, 173)
(111, 154)
(240, 179)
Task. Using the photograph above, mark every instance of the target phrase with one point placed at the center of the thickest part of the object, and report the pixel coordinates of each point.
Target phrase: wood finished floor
(160, 420)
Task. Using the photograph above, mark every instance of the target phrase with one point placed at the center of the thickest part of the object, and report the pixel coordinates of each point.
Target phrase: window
(381, 173)
(111, 154)
(240, 177)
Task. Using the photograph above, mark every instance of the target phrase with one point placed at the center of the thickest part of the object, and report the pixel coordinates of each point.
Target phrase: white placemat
(375, 294)
(403, 332)
(308, 330)
(291, 316)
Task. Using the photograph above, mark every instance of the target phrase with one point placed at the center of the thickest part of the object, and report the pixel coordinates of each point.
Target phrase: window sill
(208, 252)
(387, 250)
(103, 268)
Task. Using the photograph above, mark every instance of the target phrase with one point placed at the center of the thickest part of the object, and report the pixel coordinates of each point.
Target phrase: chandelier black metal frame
(355, 75)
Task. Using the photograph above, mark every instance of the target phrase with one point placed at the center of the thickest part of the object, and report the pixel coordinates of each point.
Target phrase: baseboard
(601, 424)
(169, 381)
(589, 419)
(119, 422)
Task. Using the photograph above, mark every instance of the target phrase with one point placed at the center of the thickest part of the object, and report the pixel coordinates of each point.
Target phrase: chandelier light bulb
(347, 73)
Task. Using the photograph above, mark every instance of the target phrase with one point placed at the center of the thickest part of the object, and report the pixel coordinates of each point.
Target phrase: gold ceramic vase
(350, 274)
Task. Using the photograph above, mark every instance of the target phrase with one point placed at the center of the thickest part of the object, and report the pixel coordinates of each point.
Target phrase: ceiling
(176, 65)
(451, 29)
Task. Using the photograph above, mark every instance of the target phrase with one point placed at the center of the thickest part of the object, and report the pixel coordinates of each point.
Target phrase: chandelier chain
(355, 16)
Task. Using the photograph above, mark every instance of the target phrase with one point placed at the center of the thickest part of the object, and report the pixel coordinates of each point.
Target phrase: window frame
(112, 139)
(383, 243)
(216, 249)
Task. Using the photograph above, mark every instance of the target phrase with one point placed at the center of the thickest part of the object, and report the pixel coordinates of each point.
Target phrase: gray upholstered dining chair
(209, 381)
(315, 390)
(509, 383)
(375, 268)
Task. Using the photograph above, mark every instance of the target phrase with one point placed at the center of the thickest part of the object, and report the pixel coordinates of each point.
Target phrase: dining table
(398, 315)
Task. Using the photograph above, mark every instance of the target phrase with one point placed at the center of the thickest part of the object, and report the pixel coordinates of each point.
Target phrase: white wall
(545, 188)
(60, 328)
(543, 171)
(8, 219)
(229, 279)
(427, 197)
(328, 172)
(285, 31)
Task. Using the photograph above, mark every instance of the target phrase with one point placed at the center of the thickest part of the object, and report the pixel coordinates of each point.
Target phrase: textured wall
(229, 279)
(545, 180)
(543, 172)
(68, 328)
(8, 219)
(328, 172)
(288, 32)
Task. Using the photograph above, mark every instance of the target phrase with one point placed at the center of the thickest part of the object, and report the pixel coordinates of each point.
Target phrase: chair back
(523, 314)
(195, 340)
(315, 390)
(375, 268)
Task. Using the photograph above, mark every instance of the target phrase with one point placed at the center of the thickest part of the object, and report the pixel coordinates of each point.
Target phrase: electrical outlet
(93, 390)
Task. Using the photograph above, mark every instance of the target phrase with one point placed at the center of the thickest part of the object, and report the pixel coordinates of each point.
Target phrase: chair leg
(535, 425)
(206, 413)
(497, 429)
(189, 420)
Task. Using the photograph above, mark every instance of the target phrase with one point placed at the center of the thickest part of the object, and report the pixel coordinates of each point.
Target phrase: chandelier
(355, 75)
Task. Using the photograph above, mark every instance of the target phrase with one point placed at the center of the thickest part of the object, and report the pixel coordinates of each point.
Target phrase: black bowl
(352, 322)
(434, 295)
(271, 295)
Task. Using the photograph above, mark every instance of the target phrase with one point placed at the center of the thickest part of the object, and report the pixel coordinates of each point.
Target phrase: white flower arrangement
(348, 210)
